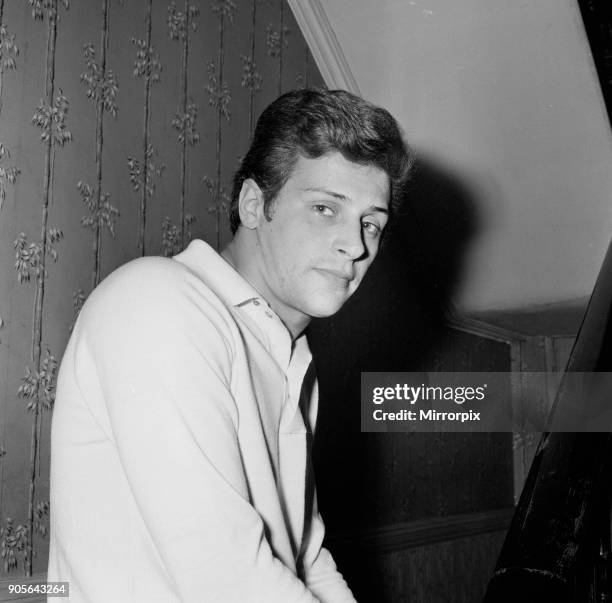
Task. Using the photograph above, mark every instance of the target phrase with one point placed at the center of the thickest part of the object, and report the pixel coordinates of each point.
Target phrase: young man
(186, 396)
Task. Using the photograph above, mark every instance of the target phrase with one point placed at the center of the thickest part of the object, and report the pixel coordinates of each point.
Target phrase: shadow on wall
(393, 323)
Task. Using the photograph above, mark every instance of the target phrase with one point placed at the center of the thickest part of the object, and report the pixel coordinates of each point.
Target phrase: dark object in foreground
(558, 545)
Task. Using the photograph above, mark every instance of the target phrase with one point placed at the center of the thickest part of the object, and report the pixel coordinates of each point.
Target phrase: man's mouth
(341, 275)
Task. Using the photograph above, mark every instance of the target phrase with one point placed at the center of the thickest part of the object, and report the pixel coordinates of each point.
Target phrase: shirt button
(256, 302)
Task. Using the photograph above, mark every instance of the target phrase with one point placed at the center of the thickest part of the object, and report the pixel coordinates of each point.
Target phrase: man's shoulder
(153, 291)
(146, 279)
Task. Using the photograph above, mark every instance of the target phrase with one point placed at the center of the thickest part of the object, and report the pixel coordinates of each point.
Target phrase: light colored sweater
(179, 463)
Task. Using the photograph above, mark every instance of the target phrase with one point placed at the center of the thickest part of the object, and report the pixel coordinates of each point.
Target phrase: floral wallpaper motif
(9, 51)
(120, 129)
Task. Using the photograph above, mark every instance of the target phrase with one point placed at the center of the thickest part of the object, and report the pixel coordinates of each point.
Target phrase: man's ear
(250, 204)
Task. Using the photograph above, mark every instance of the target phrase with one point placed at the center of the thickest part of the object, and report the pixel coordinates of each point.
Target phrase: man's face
(325, 230)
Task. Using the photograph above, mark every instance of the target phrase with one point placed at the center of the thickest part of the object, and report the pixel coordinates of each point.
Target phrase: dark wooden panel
(455, 570)
(369, 479)
(411, 534)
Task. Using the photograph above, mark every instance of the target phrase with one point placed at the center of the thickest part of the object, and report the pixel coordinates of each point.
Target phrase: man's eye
(323, 209)
(371, 228)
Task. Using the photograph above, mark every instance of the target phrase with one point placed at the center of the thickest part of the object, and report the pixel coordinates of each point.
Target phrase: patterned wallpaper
(121, 124)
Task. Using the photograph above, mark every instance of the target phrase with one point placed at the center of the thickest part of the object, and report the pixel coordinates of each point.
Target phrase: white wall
(505, 93)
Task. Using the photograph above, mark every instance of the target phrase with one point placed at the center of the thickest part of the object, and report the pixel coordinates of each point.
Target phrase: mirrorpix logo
(412, 395)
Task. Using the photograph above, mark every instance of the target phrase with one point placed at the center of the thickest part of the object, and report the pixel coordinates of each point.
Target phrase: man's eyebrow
(326, 191)
(341, 197)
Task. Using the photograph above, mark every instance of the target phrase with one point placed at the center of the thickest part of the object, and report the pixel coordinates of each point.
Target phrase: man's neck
(240, 256)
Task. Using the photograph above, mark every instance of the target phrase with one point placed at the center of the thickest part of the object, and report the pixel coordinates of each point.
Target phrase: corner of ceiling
(323, 43)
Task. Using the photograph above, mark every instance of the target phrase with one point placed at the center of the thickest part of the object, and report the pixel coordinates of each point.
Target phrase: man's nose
(350, 241)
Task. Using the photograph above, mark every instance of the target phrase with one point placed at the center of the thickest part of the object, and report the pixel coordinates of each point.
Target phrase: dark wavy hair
(311, 123)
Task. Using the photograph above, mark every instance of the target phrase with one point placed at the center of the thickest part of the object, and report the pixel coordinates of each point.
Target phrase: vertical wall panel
(266, 52)
(163, 195)
(293, 54)
(220, 101)
(201, 155)
(149, 142)
(235, 127)
(207, 62)
(122, 133)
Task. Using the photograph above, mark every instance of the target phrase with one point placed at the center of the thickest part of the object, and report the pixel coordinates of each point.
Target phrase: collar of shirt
(293, 358)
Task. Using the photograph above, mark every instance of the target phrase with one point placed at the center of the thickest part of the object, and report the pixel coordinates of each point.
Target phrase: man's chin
(326, 307)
